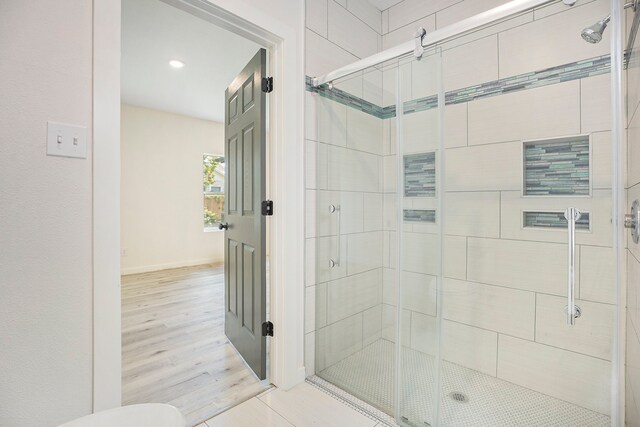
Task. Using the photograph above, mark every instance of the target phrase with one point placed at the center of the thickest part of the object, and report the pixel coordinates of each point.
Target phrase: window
(213, 190)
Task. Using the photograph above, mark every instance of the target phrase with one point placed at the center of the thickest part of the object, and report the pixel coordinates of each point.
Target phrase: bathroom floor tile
(305, 405)
(253, 412)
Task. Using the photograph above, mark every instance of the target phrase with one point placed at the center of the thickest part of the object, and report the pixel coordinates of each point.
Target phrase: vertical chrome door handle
(573, 311)
(336, 262)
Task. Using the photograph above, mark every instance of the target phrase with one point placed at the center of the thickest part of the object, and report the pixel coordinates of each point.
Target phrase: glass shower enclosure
(464, 250)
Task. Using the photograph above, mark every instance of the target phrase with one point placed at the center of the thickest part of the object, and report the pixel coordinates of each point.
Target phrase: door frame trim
(286, 188)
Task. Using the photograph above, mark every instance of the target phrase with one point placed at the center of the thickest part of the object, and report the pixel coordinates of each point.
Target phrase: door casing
(285, 154)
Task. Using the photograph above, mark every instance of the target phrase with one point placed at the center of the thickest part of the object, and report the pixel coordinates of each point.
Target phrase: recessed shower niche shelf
(554, 220)
(420, 175)
(557, 167)
(420, 215)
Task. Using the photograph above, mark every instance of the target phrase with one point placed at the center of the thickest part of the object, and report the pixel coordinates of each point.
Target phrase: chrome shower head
(593, 34)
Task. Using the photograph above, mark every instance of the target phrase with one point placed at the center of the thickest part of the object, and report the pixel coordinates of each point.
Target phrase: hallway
(174, 349)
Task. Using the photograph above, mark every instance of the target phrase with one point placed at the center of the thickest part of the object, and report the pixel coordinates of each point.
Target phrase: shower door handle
(573, 311)
(336, 209)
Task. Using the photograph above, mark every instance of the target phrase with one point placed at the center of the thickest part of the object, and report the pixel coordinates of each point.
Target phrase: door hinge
(267, 329)
(267, 84)
(267, 208)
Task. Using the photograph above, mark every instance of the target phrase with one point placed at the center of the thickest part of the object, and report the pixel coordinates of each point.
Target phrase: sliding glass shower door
(351, 242)
(506, 228)
(464, 268)
(417, 237)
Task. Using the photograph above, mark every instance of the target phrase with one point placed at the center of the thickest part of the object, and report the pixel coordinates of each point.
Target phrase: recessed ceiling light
(176, 64)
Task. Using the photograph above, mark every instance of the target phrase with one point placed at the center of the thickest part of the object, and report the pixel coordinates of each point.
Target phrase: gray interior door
(245, 265)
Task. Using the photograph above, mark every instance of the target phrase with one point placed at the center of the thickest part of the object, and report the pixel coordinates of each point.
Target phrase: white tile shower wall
(599, 206)
(595, 101)
(364, 252)
(632, 371)
(601, 159)
(367, 13)
(592, 336)
(364, 132)
(344, 150)
(566, 375)
(526, 114)
(472, 347)
(323, 56)
(547, 39)
(409, 11)
(534, 266)
(338, 341)
(407, 32)
(317, 16)
(495, 308)
(597, 273)
(504, 282)
(353, 294)
(344, 168)
(351, 33)
(467, 167)
(552, 40)
(465, 9)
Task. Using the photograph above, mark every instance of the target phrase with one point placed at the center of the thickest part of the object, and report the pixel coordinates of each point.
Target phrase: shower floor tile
(484, 400)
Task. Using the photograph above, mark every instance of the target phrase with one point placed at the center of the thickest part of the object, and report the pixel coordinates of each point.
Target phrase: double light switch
(66, 140)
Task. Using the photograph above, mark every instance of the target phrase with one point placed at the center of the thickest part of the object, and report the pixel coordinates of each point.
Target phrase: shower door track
(475, 22)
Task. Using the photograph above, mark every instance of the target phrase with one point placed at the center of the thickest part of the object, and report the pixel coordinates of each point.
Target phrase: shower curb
(351, 401)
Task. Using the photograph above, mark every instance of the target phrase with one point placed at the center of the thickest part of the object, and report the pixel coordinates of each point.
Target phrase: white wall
(46, 259)
(45, 214)
(161, 190)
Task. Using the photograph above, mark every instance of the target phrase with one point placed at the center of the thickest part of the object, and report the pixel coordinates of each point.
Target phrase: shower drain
(459, 397)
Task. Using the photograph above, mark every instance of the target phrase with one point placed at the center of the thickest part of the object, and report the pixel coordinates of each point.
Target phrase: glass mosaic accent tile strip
(345, 98)
(420, 215)
(420, 175)
(558, 167)
(553, 220)
(558, 74)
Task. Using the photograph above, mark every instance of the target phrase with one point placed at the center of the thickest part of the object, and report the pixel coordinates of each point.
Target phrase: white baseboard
(165, 266)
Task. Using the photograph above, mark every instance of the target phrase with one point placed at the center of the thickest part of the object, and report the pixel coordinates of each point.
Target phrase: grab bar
(336, 263)
(573, 311)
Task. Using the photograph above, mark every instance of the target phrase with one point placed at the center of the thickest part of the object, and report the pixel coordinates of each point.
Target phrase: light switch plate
(66, 140)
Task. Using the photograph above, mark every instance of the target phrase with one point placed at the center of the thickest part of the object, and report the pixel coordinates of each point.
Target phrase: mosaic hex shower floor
(368, 374)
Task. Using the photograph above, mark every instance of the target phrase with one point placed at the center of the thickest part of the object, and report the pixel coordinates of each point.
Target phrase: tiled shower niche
(420, 175)
(553, 220)
(420, 215)
(557, 167)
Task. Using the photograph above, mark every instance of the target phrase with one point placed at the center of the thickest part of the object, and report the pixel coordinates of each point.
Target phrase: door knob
(223, 226)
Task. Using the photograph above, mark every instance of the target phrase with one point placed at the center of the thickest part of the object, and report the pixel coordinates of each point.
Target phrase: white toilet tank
(143, 415)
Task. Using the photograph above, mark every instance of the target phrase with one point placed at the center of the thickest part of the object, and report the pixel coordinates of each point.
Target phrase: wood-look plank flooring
(174, 349)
